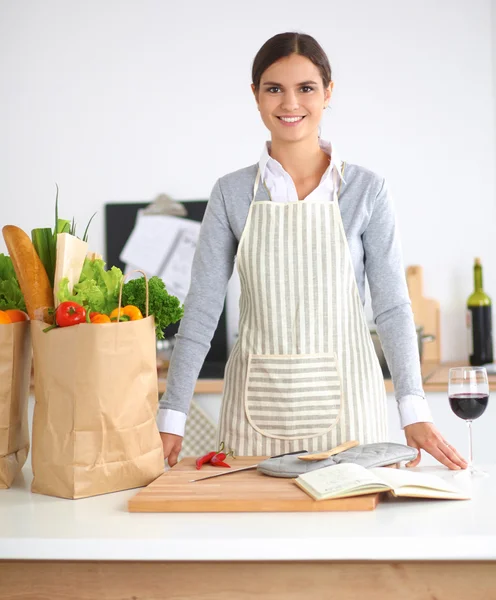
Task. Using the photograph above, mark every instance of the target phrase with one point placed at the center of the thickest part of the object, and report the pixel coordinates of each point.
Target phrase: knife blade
(243, 468)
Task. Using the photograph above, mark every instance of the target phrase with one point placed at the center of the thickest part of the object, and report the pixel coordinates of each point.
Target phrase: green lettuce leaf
(10, 292)
(97, 289)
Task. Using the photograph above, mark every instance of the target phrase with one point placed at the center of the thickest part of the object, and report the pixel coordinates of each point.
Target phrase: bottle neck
(478, 278)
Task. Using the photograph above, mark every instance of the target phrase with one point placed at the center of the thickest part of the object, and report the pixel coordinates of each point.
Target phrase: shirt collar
(267, 162)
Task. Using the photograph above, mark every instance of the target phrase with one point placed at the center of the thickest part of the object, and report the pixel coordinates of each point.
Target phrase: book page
(338, 480)
(413, 483)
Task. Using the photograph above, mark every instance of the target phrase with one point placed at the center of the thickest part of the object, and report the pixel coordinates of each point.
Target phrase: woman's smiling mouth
(290, 121)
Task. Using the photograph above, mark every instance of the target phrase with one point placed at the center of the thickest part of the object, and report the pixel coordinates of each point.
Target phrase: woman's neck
(300, 159)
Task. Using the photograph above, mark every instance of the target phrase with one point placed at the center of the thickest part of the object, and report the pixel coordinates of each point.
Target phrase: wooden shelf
(216, 386)
(203, 386)
(438, 380)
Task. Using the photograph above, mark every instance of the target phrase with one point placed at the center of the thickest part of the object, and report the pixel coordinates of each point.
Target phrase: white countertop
(37, 527)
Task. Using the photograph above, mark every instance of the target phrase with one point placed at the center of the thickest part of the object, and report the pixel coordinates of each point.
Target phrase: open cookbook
(349, 479)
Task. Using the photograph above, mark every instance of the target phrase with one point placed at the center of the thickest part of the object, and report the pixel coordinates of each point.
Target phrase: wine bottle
(479, 322)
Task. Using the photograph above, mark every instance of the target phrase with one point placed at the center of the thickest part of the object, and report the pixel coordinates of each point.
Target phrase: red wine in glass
(468, 393)
(468, 406)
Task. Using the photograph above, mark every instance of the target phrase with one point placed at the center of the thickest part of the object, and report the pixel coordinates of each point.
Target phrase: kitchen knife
(243, 468)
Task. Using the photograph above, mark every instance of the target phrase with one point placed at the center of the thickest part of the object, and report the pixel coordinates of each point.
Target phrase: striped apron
(303, 373)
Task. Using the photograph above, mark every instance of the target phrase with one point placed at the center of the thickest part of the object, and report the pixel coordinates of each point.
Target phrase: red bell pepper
(69, 313)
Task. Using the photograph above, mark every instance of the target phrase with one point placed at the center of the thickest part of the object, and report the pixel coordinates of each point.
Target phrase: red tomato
(69, 313)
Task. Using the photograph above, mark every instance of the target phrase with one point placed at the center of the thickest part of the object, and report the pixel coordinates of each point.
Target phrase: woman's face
(291, 98)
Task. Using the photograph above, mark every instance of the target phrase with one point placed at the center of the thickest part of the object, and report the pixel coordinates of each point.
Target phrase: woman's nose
(289, 101)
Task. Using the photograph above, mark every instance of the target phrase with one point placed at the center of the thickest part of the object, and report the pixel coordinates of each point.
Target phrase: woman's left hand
(424, 436)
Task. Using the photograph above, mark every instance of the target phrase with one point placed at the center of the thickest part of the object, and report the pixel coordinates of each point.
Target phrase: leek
(45, 247)
(45, 241)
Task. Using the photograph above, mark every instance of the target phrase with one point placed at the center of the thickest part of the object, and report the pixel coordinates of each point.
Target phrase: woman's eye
(275, 89)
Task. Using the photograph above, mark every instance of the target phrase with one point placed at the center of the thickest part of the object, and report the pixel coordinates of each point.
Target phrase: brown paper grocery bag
(15, 374)
(96, 398)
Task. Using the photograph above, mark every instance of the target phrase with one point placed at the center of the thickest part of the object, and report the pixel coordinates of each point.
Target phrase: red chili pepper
(204, 459)
(208, 457)
(69, 313)
(219, 458)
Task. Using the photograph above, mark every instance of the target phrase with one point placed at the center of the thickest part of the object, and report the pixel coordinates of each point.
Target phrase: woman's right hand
(172, 444)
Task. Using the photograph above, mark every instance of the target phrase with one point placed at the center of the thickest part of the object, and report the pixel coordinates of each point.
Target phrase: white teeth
(291, 119)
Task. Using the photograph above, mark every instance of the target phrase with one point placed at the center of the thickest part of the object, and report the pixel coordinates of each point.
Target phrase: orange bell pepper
(4, 318)
(128, 313)
(96, 317)
(16, 315)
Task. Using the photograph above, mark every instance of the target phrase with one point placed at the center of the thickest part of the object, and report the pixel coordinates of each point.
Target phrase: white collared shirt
(281, 186)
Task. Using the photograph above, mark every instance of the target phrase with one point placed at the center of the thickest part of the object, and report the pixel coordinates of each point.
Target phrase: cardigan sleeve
(211, 270)
(392, 308)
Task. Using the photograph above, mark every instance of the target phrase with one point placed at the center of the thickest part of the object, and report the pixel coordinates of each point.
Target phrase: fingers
(447, 455)
(430, 440)
(169, 454)
(453, 455)
(426, 437)
(413, 444)
(172, 448)
(444, 459)
(172, 458)
(415, 461)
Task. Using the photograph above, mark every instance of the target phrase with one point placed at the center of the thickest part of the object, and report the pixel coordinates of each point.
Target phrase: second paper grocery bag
(94, 428)
(15, 374)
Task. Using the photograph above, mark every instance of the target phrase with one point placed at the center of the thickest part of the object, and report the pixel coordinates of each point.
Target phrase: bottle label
(470, 336)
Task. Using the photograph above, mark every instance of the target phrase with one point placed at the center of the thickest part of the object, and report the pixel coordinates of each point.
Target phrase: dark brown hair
(286, 44)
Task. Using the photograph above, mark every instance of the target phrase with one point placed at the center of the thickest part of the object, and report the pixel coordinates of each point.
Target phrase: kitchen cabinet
(94, 548)
(408, 549)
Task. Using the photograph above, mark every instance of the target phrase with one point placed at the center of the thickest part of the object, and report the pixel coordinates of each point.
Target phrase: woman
(304, 228)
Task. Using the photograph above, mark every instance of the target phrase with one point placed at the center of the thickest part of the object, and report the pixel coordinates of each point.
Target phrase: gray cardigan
(369, 224)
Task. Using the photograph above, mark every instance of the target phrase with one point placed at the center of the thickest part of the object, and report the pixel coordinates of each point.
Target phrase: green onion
(85, 236)
(61, 225)
(43, 241)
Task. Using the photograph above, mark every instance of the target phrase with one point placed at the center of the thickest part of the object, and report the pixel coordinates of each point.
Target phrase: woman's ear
(328, 92)
(255, 93)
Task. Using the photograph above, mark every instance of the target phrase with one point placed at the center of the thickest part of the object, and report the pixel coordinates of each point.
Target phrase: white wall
(122, 100)
(493, 29)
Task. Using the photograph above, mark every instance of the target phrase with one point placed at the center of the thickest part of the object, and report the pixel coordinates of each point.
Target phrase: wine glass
(468, 392)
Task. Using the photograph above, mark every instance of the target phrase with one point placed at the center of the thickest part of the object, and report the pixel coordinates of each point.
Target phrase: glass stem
(470, 451)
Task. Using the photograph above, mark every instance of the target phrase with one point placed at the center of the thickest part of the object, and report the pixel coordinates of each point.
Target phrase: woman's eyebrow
(280, 84)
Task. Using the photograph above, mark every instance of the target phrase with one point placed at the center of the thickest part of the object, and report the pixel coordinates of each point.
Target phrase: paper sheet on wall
(163, 245)
(176, 272)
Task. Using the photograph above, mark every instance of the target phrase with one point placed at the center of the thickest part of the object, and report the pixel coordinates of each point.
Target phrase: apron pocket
(294, 396)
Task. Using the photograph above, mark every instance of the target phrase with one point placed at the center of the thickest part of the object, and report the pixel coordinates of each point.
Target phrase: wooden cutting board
(426, 312)
(246, 491)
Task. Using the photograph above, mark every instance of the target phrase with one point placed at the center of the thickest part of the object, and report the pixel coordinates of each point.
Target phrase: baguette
(31, 274)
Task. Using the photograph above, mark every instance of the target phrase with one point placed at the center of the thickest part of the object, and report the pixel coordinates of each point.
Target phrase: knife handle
(289, 453)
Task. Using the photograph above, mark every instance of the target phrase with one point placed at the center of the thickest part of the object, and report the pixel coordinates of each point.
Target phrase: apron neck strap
(336, 187)
(255, 186)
